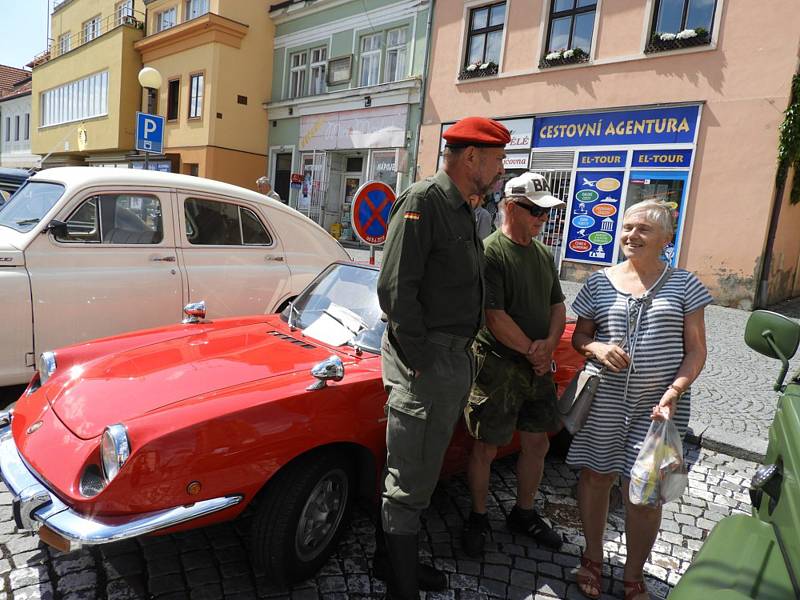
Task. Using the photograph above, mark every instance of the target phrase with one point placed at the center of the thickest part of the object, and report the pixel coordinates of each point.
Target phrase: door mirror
(57, 228)
(773, 335)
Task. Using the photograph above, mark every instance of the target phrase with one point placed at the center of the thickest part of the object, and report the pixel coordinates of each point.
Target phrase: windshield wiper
(28, 221)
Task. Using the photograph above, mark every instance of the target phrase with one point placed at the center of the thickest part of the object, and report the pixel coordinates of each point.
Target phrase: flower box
(688, 38)
(476, 70)
(564, 57)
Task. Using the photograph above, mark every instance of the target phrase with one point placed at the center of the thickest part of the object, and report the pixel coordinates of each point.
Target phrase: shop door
(283, 172)
(664, 186)
(333, 198)
(553, 232)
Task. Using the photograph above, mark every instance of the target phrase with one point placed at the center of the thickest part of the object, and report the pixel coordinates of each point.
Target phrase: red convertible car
(186, 425)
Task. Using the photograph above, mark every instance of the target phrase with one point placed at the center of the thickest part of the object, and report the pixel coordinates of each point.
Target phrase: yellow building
(215, 59)
(85, 89)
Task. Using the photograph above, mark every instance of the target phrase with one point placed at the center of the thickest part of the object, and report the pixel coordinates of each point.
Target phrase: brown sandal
(633, 589)
(593, 580)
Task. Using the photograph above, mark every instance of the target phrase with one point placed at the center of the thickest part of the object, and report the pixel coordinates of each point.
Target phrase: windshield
(340, 307)
(30, 204)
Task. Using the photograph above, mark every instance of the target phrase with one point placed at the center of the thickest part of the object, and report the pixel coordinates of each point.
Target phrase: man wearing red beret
(431, 290)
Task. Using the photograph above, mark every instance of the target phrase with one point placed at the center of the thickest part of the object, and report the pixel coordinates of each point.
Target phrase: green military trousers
(421, 415)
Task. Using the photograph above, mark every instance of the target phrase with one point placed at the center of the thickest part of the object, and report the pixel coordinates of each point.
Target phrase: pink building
(622, 100)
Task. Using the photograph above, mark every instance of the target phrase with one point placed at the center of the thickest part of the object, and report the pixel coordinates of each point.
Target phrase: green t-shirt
(522, 281)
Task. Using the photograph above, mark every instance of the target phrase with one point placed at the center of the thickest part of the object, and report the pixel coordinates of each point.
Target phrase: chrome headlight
(115, 449)
(46, 365)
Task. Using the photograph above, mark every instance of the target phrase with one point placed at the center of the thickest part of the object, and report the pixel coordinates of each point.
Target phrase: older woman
(653, 348)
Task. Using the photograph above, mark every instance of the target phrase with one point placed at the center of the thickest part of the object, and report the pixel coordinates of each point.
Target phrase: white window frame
(401, 49)
(77, 100)
(91, 29)
(366, 58)
(196, 94)
(64, 43)
(7, 137)
(27, 129)
(318, 70)
(166, 19)
(122, 11)
(194, 9)
(297, 74)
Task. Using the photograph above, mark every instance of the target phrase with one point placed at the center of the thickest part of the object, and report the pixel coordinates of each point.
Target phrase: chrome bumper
(35, 505)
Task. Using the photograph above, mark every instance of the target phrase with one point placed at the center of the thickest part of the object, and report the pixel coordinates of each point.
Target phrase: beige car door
(113, 269)
(233, 259)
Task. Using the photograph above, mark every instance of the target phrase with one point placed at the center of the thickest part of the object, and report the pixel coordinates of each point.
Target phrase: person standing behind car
(265, 187)
(431, 290)
(514, 390)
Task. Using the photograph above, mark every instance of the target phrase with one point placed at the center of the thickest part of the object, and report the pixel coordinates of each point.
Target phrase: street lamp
(150, 80)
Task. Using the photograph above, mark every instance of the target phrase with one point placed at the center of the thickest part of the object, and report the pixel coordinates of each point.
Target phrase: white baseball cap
(534, 188)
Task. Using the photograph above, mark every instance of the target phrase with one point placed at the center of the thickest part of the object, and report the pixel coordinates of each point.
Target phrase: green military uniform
(508, 395)
(431, 290)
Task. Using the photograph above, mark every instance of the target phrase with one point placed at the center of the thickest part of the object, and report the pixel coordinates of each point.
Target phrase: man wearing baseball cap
(514, 389)
(431, 290)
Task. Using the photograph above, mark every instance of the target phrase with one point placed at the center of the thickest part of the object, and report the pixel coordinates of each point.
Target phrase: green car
(758, 555)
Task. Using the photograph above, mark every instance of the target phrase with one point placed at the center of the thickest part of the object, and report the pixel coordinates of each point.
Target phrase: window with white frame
(297, 74)
(571, 25)
(16, 128)
(196, 95)
(195, 8)
(319, 58)
(91, 29)
(396, 54)
(123, 11)
(64, 43)
(370, 60)
(27, 129)
(8, 129)
(74, 101)
(166, 19)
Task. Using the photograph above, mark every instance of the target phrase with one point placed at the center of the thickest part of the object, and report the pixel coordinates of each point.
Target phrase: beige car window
(213, 223)
(116, 219)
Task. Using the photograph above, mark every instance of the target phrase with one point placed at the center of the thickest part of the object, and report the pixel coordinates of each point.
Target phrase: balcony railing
(63, 45)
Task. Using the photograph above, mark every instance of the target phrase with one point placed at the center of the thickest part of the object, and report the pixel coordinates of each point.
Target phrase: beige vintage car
(90, 252)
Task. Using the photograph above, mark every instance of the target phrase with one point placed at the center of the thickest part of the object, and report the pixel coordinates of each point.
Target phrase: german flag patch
(412, 215)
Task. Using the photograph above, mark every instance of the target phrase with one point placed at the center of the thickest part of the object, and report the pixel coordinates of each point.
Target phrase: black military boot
(403, 582)
(429, 578)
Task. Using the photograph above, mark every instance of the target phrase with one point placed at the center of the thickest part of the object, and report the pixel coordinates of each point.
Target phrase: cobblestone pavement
(213, 564)
(733, 402)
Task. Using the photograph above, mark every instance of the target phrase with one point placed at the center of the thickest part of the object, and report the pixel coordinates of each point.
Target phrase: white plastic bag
(659, 474)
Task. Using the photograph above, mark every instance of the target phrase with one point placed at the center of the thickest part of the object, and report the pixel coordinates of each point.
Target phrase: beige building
(85, 89)
(619, 101)
(215, 60)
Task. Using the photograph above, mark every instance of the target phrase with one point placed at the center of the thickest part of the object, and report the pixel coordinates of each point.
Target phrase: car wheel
(304, 512)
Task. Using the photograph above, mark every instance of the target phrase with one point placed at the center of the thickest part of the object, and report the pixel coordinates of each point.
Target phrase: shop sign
(372, 204)
(614, 159)
(662, 158)
(591, 238)
(669, 125)
(296, 180)
(516, 161)
(380, 127)
(521, 131)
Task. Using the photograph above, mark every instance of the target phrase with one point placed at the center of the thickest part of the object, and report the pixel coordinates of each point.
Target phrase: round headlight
(46, 365)
(114, 450)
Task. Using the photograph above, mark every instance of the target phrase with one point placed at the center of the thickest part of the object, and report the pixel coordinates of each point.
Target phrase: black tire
(302, 515)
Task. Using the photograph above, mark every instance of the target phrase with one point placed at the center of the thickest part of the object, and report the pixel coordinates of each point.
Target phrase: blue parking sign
(149, 133)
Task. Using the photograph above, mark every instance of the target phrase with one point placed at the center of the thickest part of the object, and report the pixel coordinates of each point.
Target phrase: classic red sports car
(186, 425)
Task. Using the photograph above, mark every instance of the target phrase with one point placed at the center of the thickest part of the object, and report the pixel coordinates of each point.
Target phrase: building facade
(15, 119)
(346, 93)
(215, 60)
(628, 100)
(85, 89)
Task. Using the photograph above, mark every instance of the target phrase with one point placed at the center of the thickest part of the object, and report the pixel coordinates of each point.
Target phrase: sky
(23, 30)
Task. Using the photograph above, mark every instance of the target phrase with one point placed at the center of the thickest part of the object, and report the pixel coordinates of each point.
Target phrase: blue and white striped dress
(618, 421)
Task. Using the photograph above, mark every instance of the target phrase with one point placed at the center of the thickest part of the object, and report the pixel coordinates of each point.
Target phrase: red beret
(477, 131)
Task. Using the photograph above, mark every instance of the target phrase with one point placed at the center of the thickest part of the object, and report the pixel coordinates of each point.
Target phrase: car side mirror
(329, 369)
(195, 312)
(57, 228)
(773, 335)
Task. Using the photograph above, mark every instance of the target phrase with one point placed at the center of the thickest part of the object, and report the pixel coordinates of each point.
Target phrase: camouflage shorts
(508, 395)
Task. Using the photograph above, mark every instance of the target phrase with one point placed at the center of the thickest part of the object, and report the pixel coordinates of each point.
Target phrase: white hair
(262, 180)
(656, 212)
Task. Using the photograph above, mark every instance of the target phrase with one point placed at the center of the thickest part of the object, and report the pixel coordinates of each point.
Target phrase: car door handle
(163, 259)
(274, 257)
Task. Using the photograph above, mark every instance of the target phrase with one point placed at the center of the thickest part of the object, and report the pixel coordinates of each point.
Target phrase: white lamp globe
(149, 78)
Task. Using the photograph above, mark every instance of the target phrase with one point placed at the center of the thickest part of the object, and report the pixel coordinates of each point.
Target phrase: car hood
(123, 386)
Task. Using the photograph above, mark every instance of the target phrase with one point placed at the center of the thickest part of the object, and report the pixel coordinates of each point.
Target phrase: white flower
(484, 66)
(472, 67)
(553, 55)
(667, 37)
(569, 53)
(686, 34)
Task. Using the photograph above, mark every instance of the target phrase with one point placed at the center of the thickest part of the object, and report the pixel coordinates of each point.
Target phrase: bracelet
(677, 390)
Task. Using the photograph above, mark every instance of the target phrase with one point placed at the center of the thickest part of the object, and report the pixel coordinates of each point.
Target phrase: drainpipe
(424, 86)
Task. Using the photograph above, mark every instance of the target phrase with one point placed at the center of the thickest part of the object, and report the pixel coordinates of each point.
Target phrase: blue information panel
(149, 133)
(593, 216)
(662, 158)
(603, 160)
(669, 125)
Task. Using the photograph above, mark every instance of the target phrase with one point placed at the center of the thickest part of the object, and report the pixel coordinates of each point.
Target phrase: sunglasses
(536, 211)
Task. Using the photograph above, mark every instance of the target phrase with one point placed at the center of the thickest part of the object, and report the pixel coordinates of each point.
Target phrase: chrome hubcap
(321, 515)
